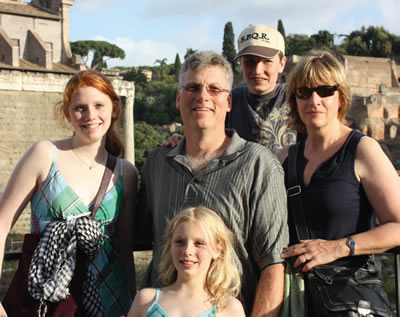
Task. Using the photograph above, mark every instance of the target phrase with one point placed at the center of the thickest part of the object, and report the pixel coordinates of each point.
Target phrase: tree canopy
(373, 41)
(98, 50)
(189, 51)
(146, 139)
(136, 75)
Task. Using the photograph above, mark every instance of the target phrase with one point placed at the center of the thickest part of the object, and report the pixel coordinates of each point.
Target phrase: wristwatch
(352, 245)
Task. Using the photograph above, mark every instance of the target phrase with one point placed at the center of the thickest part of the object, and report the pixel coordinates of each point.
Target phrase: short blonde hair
(317, 68)
(223, 278)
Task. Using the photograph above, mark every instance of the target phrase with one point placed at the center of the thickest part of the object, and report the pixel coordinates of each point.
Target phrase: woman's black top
(335, 204)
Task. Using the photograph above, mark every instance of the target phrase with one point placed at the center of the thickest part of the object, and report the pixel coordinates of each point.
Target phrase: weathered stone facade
(27, 115)
(375, 88)
(36, 32)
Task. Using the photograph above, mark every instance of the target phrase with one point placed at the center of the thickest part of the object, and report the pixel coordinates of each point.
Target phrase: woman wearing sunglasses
(345, 178)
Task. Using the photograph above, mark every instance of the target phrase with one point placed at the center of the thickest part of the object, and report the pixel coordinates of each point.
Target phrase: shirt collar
(235, 148)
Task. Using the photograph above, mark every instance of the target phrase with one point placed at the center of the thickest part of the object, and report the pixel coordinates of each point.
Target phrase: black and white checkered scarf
(53, 263)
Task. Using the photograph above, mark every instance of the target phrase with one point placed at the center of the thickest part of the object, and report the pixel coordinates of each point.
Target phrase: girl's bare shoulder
(142, 302)
(232, 307)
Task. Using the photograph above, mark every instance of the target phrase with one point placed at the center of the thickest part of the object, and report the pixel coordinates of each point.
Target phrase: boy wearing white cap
(259, 111)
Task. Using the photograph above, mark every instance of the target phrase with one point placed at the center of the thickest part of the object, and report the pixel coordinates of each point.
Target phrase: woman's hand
(310, 253)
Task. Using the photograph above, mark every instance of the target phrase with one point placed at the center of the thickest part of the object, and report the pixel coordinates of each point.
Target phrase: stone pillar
(124, 89)
(66, 50)
(129, 138)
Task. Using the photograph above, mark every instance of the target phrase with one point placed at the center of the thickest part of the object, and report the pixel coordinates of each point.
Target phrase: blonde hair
(317, 68)
(222, 278)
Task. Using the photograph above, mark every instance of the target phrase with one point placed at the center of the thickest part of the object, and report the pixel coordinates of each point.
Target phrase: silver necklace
(90, 167)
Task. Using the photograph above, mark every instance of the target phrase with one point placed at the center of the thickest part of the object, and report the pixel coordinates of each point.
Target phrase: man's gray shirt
(245, 186)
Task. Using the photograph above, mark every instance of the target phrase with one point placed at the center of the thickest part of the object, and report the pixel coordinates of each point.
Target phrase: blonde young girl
(197, 269)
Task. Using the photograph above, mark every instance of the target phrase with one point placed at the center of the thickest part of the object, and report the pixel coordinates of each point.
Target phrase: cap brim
(261, 51)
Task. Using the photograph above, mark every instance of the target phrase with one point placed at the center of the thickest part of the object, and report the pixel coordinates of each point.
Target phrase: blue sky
(155, 29)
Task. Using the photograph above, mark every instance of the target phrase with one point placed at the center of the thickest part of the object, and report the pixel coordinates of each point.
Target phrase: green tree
(177, 65)
(298, 44)
(378, 39)
(99, 50)
(137, 76)
(281, 29)
(228, 45)
(372, 41)
(323, 40)
(189, 51)
(162, 67)
(155, 103)
(146, 139)
(396, 45)
(356, 46)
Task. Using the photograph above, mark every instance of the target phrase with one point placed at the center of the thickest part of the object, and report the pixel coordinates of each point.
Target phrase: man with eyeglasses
(214, 167)
(259, 108)
(259, 111)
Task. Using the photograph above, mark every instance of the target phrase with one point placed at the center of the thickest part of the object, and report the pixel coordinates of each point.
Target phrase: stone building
(35, 64)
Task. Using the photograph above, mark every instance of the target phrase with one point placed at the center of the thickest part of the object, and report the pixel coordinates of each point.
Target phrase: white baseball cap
(260, 40)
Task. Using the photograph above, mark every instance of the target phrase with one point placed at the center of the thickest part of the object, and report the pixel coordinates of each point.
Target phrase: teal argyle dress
(57, 200)
(155, 310)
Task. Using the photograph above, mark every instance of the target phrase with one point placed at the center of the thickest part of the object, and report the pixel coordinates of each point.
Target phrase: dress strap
(214, 310)
(121, 166)
(157, 295)
(54, 151)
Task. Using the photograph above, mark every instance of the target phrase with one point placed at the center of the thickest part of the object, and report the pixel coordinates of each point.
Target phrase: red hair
(95, 79)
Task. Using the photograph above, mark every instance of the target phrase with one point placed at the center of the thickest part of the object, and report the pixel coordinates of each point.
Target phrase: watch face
(352, 245)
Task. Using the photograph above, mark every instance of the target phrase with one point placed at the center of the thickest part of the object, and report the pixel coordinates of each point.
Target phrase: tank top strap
(348, 151)
(54, 151)
(121, 166)
(214, 310)
(355, 138)
(157, 295)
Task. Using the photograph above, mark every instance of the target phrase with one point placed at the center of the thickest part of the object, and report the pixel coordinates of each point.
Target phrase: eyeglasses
(196, 88)
(322, 91)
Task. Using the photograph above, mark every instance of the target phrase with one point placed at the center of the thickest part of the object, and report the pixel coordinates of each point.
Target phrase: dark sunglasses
(322, 91)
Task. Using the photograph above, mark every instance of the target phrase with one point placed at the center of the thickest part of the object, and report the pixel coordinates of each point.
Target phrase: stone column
(124, 89)
(66, 50)
(129, 138)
